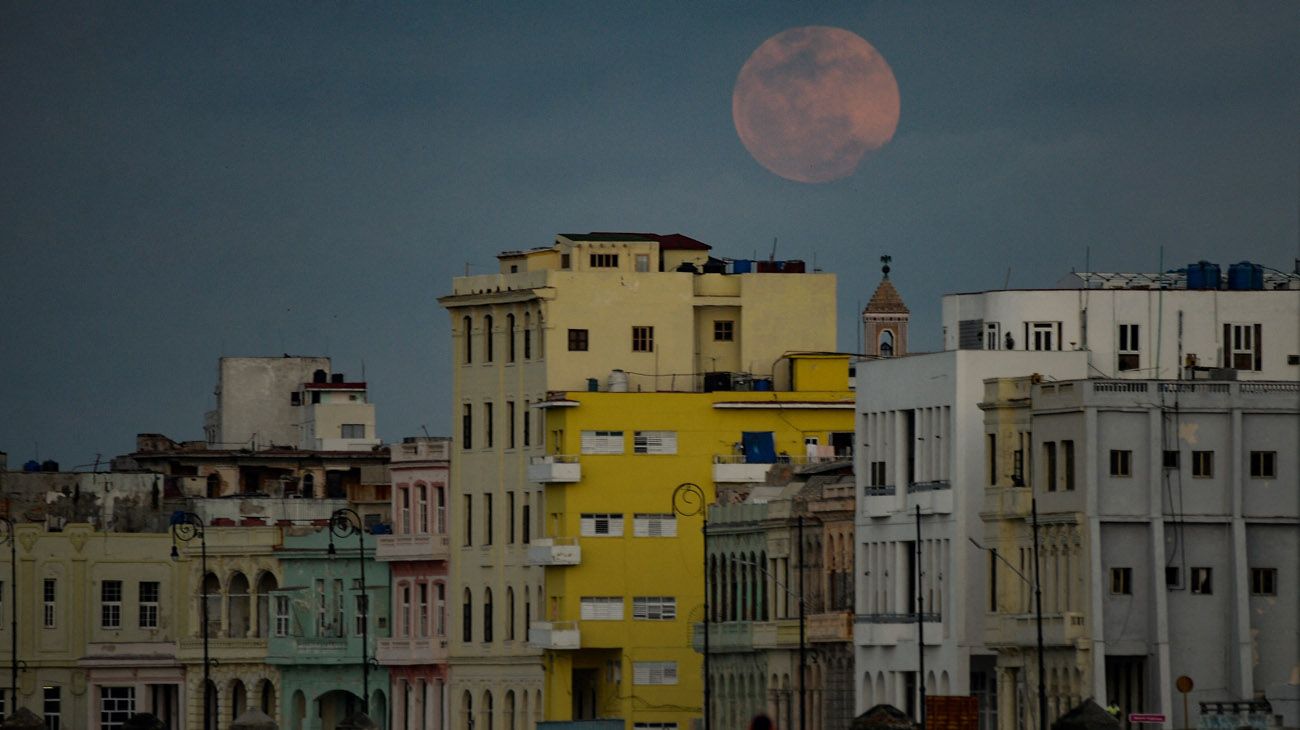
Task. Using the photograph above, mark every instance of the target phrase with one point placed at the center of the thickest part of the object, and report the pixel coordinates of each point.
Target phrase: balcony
(239, 509)
(733, 469)
(931, 497)
(554, 551)
(879, 500)
(889, 629)
(427, 650)
(412, 547)
(829, 627)
(1021, 629)
(554, 469)
(222, 649)
(554, 635)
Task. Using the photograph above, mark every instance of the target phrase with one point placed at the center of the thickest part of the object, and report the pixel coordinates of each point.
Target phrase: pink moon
(811, 102)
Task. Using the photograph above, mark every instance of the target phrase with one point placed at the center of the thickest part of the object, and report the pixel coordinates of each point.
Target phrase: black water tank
(717, 382)
(318, 376)
(336, 378)
(49, 465)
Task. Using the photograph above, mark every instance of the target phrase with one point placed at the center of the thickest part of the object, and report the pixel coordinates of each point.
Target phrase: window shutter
(654, 442)
(602, 442)
(602, 608)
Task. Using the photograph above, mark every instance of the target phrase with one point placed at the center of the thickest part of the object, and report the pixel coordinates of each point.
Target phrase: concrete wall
(253, 400)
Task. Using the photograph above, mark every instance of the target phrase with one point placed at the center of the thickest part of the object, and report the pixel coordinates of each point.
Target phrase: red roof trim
(335, 386)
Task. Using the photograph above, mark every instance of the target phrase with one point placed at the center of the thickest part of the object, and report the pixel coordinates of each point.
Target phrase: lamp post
(1038, 609)
(185, 527)
(689, 500)
(345, 523)
(7, 535)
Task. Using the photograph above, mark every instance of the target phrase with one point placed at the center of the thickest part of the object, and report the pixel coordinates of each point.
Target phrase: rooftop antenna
(425, 430)
(1006, 283)
(363, 370)
(773, 256)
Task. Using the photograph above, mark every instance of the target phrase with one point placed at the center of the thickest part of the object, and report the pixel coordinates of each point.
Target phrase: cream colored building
(607, 311)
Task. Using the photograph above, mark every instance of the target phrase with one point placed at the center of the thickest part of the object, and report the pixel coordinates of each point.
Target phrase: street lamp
(688, 501)
(7, 535)
(345, 523)
(185, 527)
(1038, 608)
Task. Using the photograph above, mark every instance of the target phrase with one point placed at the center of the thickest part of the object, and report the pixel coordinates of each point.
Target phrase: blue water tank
(1203, 275)
(742, 266)
(763, 384)
(1245, 276)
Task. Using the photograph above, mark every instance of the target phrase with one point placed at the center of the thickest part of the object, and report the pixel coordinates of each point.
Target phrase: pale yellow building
(604, 311)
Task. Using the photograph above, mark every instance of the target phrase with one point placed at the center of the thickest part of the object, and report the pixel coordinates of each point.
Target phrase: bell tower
(884, 321)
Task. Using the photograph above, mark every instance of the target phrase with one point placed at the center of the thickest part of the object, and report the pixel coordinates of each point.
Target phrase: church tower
(884, 321)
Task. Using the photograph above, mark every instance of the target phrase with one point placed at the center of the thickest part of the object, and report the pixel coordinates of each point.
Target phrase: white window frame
(654, 608)
(49, 608)
(52, 706)
(116, 709)
(660, 524)
(654, 672)
(110, 609)
(148, 609)
(642, 262)
(1038, 334)
(1128, 346)
(654, 442)
(1243, 342)
(601, 524)
(602, 442)
(281, 615)
(992, 336)
(601, 608)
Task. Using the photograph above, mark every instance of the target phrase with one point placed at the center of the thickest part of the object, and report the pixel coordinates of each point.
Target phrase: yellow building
(624, 576)
(609, 311)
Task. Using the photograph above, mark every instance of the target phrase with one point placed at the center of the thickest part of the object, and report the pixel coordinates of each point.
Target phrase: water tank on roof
(1245, 276)
(794, 266)
(687, 267)
(336, 378)
(318, 376)
(717, 382)
(49, 465)
(1203, 275)
(32, 465)
(715, 266)
(617, 381)
(742, 266)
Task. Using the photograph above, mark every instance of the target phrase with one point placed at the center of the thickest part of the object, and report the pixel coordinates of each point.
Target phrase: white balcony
(879, 500)
(931, 497)
(732, 469)
(412, 547)
(554, 469)
(890, 629)
(554, 551)
(554, 635)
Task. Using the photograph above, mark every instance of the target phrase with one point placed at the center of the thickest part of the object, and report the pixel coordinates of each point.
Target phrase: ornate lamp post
(688, 501)
(345, 523)
(7, 535)
(185, 527)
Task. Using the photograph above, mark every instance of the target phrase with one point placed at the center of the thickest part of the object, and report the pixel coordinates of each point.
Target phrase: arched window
(422, 509)
(528, 336)
(487, 711)
(467, 711)
(508, 720)
(239, 609)
(238, 700)
(265, 584)
(267, 691)
(487, 338)
(510, 338)
(487, 614)
(467, 329)
(467, 618)
(510, 613)
(886, 343)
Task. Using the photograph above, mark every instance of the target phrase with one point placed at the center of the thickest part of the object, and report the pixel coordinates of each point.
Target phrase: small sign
(1149, 719)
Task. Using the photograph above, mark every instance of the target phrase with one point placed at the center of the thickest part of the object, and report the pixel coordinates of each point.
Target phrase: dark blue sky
(182, 181)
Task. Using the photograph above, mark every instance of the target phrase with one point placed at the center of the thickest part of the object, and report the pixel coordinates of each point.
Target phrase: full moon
(812, 101)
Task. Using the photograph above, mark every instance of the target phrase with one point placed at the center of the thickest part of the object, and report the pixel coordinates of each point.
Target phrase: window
(528, 337)
(362, 607)
(295, 398)
(467, 618)
(353, 430)
(1049, 459)
(149, 590)
(654, 672)
(1121, 581)
(52, 707)
(1170, 459)
(577, 340)
(1263, 465)
(601, 608)
(1173, 577)
(50, 595)
(1121, 463)
(487, 615)
(877, 473)
(487, 425)
(510, 424)
(1018, 468)
(642, 262)
(991, 336)
(110, 604)
(526, 522)
(724, 330)
(338, 625)
(1128, 347)
(487, 338)
(654, 608)
(602, 442)
(281, 615)
(469, 520)
(487, 519)
(510, 338)
(1067, 467)
(1201, 581)
(421, 509)
(440, 608)
(643, 339)
(466, 328)
(1241, 346)
(1263, 581)
(116, 705)
(510, 619)
(1203, 464)
(510, 518)
(992, 459)
(1043, 335)
(601, 525)
(404, 511)
(467, 426)
(527, 426)
(564, 261)
(660, 524)
(604, 260)
(654, 442)
(322, 618)
(440, 505)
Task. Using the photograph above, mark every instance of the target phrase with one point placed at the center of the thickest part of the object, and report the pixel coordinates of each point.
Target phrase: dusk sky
(182, 181)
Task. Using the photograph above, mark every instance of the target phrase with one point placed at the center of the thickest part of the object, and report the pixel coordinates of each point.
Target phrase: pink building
(416, 552)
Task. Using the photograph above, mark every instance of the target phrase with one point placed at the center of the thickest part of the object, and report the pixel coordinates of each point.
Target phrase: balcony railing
(554, 551)
(836, 626)
(933, 496)
(889, 629)
(554, 469)
(426, 650)
(555, 635)
(1021, 629)
(415, 546)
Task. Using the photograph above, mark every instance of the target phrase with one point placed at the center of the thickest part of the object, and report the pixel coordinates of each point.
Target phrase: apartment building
(627, 312)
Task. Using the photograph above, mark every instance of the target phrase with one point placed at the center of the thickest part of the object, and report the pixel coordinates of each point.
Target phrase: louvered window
(654, 608)
(654, 672)
(654, 525)
(596, 524)
(602, 608)
(602, 442)
(654, 442)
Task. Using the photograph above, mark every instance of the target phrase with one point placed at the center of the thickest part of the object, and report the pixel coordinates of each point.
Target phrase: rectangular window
(643, 339)
(469, 520)
(467, 426)
(577, 340)
(422, 509)
(658, 524)
(362, 613)
(654, 672)
(110, 604)
(1170, 459)
(1241, 346)
(440, 608)
(1121, 463)
(1018, 468)
(601, 608)
(642, 263)
(601, 524)
(602, 442)
(1049, 460)
(510, 424)
(338, 625)
(527, 426)
(1263, 581)
(877, 473)
(992, 338)
(422, 628)
(654, 608)
(654, 442)
(1173, 577)
(1201, 581)
(1263, 465)
(564, 261)
(487, 425)
(322, 608)
(1067, 466)
(487, 519)
(148, 591)
(467, 618)
(353, 430)
(50, 594)
(1203, 464)
(510, 518)
(724, 330)
(992, 459)
(526, 522)
(1129, 353)
(604, 260)
(52, 707)
(1121, 581)
(1042, 336)
(281, 615)
(116, 706)
(528, 343)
